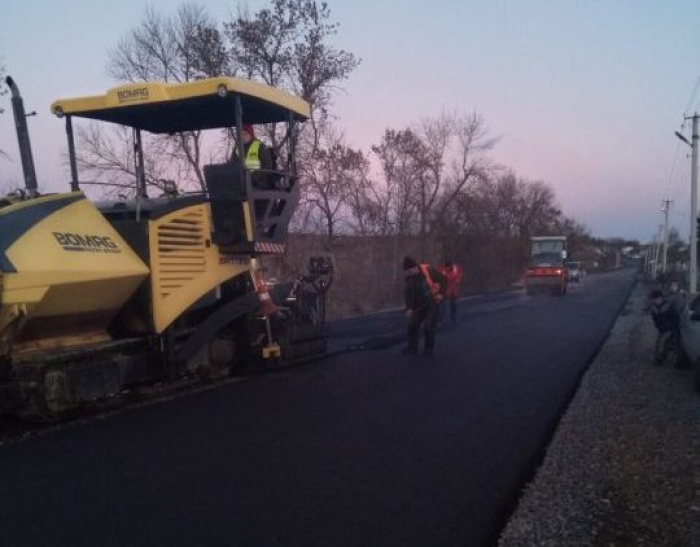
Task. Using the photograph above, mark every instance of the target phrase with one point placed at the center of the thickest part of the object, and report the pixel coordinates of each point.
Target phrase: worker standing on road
(425, 287)
(453, 274)
(676, 297)
(666, 320)
(677, 300)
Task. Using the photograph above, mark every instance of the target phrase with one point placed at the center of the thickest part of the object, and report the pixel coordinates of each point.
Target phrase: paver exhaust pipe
(25, 147)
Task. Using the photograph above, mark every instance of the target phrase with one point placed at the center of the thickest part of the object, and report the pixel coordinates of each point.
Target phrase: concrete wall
(368, 273)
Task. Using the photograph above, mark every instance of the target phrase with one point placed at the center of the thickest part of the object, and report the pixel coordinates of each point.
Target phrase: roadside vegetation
(431, 187)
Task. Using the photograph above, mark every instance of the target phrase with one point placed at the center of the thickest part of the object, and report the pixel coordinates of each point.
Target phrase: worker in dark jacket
(666, 320)
(678, 302)
(425, 289)
(676, 297)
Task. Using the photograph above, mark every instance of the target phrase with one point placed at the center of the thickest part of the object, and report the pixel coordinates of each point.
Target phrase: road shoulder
(622, 467)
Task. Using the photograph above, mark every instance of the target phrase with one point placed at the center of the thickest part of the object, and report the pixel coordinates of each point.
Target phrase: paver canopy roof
(203, 104)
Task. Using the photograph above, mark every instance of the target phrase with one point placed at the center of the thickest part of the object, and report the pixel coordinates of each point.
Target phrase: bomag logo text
(132, 94)
(86, 243)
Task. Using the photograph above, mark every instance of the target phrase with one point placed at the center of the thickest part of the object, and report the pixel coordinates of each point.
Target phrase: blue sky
(585, 95)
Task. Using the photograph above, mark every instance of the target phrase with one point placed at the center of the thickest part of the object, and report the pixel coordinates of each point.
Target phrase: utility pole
(657, 251)
(665, 208)
(693, 278)
(647, 261)
(694, 209)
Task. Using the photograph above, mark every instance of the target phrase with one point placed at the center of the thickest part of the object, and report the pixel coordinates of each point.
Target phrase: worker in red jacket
(453, 273)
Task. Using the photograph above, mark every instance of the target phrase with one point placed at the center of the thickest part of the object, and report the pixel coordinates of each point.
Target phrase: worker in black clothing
(425, 289)
(666, 319)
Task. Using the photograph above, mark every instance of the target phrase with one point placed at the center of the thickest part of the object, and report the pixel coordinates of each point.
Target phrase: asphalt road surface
(369, 448)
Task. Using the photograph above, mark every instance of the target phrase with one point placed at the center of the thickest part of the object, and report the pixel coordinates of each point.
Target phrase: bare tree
(434, 135)
(171, 49)
(327, 178)
(109, 157)
(179, 48)
(510, 207)
(209, 55)
(369, 204)
(399, 154)
(427, 167)
(491, 221)
(469, 163)
(578, 235)
(286, 45)
(453, 158)
(540, 212)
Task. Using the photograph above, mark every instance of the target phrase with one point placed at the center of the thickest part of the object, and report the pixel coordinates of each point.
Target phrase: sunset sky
(584, 95)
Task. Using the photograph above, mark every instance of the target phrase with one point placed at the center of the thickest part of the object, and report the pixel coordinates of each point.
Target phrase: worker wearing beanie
(257, 156)
(425, 288)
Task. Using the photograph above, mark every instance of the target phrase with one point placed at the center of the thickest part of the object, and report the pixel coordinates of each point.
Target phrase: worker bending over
(425, 289)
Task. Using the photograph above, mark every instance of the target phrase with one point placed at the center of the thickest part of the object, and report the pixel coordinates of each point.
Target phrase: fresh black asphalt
(369, 448)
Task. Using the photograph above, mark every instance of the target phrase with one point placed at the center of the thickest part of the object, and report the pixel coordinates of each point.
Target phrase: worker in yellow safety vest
(257, 156)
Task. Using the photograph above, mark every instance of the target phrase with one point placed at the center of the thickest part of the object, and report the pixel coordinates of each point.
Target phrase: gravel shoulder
(623, 467)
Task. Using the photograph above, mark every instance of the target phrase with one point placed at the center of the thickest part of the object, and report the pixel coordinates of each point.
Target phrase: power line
(673, 175)
(671, 184)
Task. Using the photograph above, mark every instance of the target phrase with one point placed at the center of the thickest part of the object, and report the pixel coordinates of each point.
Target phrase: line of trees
(431, 187)
(434, 180)
(285, 44)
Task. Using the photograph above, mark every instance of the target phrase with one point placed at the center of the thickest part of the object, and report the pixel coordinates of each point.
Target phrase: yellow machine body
(99, 297)
(69, 273)
(65, 273)
(185, 264)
